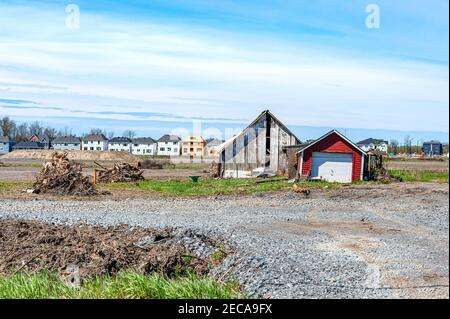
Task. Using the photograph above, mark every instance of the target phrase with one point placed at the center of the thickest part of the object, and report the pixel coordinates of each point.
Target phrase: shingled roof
(66, 140)
(169, 138)
(144, 140)
(96, 137)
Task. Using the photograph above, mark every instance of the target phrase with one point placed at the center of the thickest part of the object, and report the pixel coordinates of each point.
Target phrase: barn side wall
(335, 144)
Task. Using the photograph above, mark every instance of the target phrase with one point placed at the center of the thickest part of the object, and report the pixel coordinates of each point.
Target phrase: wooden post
(94, 176)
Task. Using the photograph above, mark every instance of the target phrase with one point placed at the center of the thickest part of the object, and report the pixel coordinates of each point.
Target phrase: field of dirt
(31, 246)
(419, 166)
(73, 155)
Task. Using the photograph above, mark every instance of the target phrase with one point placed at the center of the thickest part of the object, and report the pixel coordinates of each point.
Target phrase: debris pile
(120, 173)
(63, 177)
(213, 170)
(301, 190)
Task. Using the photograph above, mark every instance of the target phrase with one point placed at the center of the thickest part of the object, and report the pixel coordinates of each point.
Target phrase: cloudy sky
(153, 65)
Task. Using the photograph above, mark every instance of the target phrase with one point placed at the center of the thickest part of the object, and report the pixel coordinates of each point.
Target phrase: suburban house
(193, 146)
(432, 148)
(66, 143)
(211, 147)
(144, 146)
(27, 145)
(119, 144)
(258, 149)
(97, 142)
(42, 139)
(333, 158)
(169, 145)
(372, 144)
(6, 144)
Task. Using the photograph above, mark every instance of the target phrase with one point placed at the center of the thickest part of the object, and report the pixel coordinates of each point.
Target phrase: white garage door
(332, 167)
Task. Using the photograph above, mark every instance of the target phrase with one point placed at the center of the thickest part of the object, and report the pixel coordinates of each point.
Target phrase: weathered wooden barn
(258, 149)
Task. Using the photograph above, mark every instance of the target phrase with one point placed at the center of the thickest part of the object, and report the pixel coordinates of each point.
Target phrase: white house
(169, 145)
(66, 143)
(372, 144)
(6, 144)
(119, 144)
(95, 143)
(144, 146)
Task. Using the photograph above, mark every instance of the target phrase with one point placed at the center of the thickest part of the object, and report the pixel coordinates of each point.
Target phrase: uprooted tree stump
(63, 177)
(121, 173)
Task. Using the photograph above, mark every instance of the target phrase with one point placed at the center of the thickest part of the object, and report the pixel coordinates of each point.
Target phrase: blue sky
(156, 65)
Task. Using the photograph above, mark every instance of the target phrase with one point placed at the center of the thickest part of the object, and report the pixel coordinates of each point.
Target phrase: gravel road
(383, 241)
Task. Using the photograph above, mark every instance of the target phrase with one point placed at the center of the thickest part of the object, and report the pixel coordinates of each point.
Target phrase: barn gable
(258, 148)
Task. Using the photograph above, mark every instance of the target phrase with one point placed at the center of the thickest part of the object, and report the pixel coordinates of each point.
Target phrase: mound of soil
(73, 155)
(32, 246)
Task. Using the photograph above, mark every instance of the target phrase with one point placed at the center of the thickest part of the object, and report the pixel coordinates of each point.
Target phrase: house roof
(143, 140)
(432, 142)
(28, 145)
(66, 140)
(96, 137)
(169, 138)
(264, 113)
(41, 137)
(371, 141)
(213, 142)
(120, 140)
(311, 143)
(4, 139)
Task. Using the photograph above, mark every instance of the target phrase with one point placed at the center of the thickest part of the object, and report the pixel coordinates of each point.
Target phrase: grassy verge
(211, 187)
(409, 176)
(126, 285)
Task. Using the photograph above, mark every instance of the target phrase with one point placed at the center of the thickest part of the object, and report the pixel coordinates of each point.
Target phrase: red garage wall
(333, 143)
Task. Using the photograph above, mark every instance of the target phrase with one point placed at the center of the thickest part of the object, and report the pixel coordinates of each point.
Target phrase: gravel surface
(383, 241)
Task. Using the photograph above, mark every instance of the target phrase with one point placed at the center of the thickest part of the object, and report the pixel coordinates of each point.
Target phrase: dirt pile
(32, 246)
(120, 173)
(63, 177)
(156, 163)
(76, 155)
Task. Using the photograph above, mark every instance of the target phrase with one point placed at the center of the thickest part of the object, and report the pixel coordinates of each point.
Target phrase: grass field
(126, 285)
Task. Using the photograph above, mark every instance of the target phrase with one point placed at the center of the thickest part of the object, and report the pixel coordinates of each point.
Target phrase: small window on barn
(234, 148)
(245, 140)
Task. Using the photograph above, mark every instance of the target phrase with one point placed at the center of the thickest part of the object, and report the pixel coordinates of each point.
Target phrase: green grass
(210, 186)
(126, 285)
(420, 176)
(15, 184)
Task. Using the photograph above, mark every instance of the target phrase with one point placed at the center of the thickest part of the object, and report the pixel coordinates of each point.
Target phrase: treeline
(23, 131)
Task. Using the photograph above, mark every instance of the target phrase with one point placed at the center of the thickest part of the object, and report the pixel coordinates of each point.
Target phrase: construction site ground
(357, 241)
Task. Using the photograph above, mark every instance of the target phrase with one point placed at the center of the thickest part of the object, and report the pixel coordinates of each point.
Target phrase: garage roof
(308, 145)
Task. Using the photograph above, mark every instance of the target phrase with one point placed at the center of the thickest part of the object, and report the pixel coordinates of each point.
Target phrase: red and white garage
(333, 158)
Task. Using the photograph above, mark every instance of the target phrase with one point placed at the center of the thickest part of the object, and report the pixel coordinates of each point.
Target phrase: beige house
(193, 146)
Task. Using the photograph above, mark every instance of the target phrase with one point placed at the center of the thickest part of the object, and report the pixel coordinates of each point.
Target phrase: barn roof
(308, 145)
(264, 113)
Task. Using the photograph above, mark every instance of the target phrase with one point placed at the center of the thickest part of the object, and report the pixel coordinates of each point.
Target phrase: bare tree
(110, 135)
(394, 146)
(7, 127)
(130, 134)
(96, 131)
(35, 128)
(51, 133)
(22, 132)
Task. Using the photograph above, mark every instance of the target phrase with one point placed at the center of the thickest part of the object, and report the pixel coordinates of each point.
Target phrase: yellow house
(193, 146)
